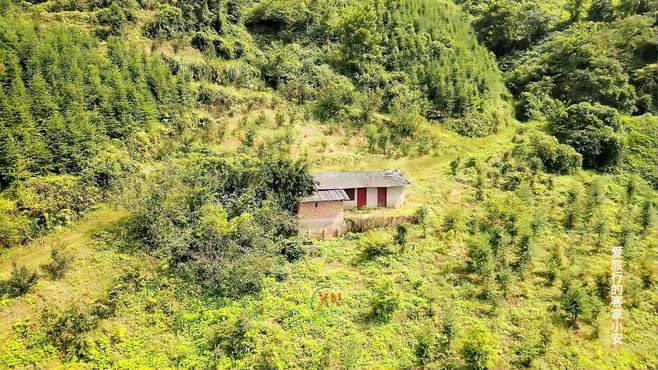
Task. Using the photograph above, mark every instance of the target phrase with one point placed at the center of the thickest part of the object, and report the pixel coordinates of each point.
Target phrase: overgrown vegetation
(198, 122)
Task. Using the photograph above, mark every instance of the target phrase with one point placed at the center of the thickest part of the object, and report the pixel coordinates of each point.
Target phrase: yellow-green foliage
(510, 268)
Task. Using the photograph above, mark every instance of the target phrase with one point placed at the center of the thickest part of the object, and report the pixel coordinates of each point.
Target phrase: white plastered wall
(395, 196)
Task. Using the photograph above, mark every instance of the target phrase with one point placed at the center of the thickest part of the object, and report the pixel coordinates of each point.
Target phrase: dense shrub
(556, 157)
(14, 227)
(221, 221)
(109, 166)
(374, 245)
(385, 300)
(479, 349)
(426, 345)
(601, 11)
(294, 251)
(65, 330)
(114, 17)
(168, 22)
(53, 200)
(19, 283)
(60, 261)
(594, 131)
(234, 338)
(479, 255)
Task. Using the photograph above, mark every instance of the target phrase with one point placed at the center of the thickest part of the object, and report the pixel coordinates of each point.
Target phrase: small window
(350, 193)
(316, 204)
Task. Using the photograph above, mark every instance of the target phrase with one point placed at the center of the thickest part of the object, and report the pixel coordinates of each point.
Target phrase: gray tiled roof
(349, 180)
(326, 196)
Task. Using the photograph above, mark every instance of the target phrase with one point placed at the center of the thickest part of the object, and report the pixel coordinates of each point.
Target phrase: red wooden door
(361, 197)
(381, 197)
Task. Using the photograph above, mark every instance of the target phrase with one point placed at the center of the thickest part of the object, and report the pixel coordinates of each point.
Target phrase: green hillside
(152, 154)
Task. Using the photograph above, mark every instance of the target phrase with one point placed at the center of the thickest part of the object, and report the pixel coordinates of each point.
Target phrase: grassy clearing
(92, 271)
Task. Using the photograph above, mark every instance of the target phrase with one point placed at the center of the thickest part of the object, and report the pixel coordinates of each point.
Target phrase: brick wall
(321, 218)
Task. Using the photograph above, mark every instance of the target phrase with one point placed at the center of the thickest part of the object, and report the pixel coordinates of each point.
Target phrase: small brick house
(321, 213)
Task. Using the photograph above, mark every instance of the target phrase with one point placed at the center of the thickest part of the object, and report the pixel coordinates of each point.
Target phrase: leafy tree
(385, 301)
(401, 233)
(601, 11)
(575, 8)
(630, 7)
(556, 157)
(220, 221)
(114, 17)
(582, 66)
(573, 302)
(167, 23)
(594, 131)
(454, 166)
(523, 254)
(65, 331)
(360, 37)
(497, 25)
(479, 255)
(506, 26)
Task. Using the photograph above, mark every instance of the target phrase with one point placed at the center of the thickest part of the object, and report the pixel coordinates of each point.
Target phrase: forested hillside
(153, 152)
(567, 60)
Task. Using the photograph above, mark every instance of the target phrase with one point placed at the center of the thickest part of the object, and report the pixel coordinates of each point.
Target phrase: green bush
(523, 254)
(506, 26)
(401, 232)
(113, 17)
(294, 251)
(19, 283)
(426, 345)
(235, 338)
(14, 227)
(385, 300)
(60, 261)
(641, 156)
(168, 22)
(479, 349)
(480, 260)
(573, 302)
(107, 167)
(594, 130)
(64, 330)
(53, 200)
(204, 41)
(556, 157)
(374, 245)
(221, 221)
